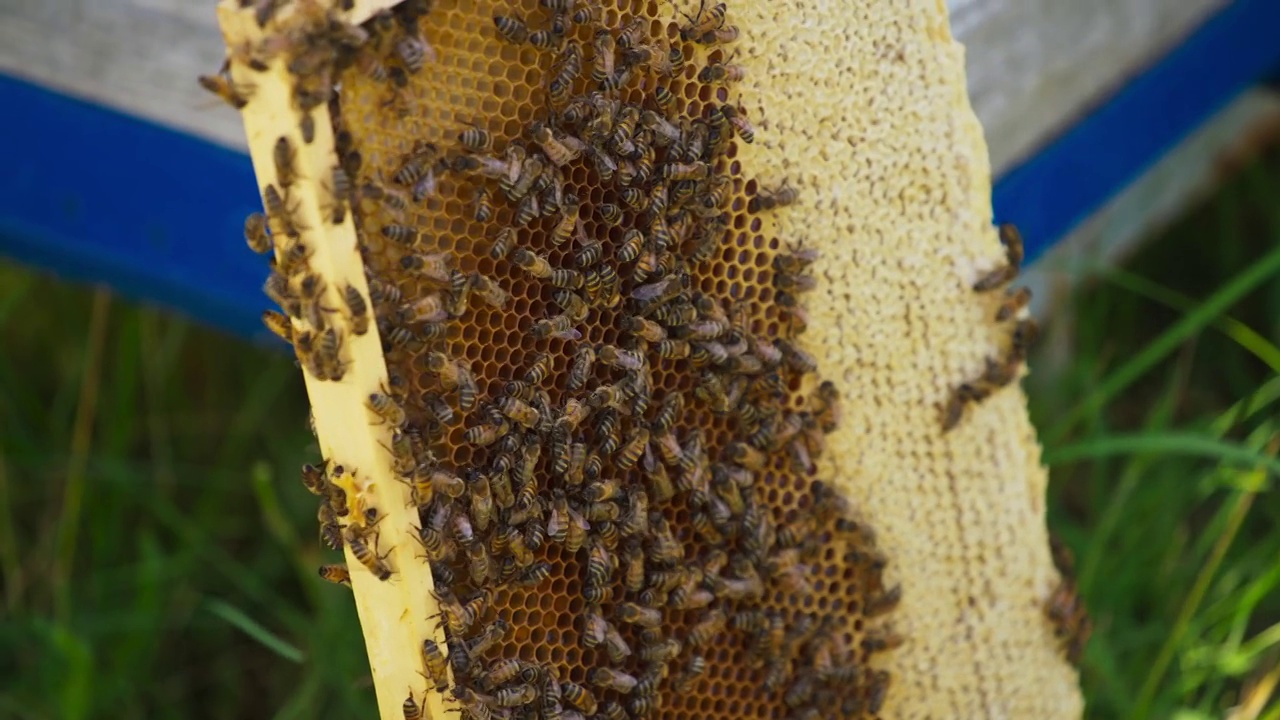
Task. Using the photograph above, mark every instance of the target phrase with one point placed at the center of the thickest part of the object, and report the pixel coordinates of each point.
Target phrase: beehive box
(548, 283)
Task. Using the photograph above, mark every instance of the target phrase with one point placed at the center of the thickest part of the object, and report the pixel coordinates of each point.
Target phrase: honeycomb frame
(750, 229)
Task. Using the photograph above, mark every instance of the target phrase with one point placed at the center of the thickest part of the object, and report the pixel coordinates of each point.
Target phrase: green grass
(158, 553)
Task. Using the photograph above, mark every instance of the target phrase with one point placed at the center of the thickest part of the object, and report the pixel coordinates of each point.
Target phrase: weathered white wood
(1034, 65)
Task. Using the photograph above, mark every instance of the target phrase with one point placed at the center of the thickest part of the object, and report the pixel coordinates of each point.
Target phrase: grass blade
(1243, 335)
(1170, 443)
(1192, 323)
(81, 438)
(1195, 596)
(255, 630)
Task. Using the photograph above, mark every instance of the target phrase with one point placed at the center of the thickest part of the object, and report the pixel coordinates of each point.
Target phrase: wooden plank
(1034, 65)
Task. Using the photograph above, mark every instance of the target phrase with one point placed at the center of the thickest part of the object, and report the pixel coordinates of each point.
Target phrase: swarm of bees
(578, 402)
(1003, 370)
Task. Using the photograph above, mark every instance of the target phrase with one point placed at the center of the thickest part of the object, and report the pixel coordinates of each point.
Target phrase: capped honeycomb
(553, 325)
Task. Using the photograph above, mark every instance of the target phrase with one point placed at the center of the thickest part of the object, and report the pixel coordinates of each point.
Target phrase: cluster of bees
(1064, 608)
(634, 447)
(1072, 625)
(1002, 371)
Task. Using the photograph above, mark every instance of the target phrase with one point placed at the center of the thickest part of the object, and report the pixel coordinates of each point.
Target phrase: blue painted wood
(103, 197)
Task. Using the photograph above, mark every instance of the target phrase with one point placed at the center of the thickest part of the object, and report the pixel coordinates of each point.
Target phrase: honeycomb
(513, 215)
(468, 88)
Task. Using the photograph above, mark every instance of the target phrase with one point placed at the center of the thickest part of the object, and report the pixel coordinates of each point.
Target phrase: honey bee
(587, 12)
(630, 452)
(403, 234)
(654, 57)
(461, 617)
(957, 402)
(255, 233)
(880, 641)
(508, 697)
(314, 478)
(768, 200)
(366, 555)
(432, 533)
(326, 359)
(658, 481)
(428, 482)
(502, 243)
(455, 374)
(511, 29)
(534, 575)
(339, 192)
(412, 711)
(697, 170)
(425, 186)
(358, 309)
(520, 176)
(611, 679)
(237, 95)
(662, 546)
(416, 163)
(663, 651)
(434, 663)
(619, 358)
(433, 267)
(704, 22)
(674, 349)
(597, 282)
(489, 637)
(476, 139)
(635, 614)
(519, 411)
(286, 161)
(883, 603)
(479, 563)
(532, 263)
(566, 278)
(719, 36)
(580, 369)
(477, 706)
(1024, 334)
(570, 63)
(631, 246)
(605, 47)
(277, 287)
(739, 121)
(504, 671)
(386, 408)
(1011, 239)
(546, 39)
(560, 151)
(414, 51)
(489, 291)
(611, 214)
(280, 216)
(615, 645)
(664, 99)
(330, 530)
(560, 326)
(563, 230)
(579, 697)
(336, 573)
(279, 324)
(485, 435)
